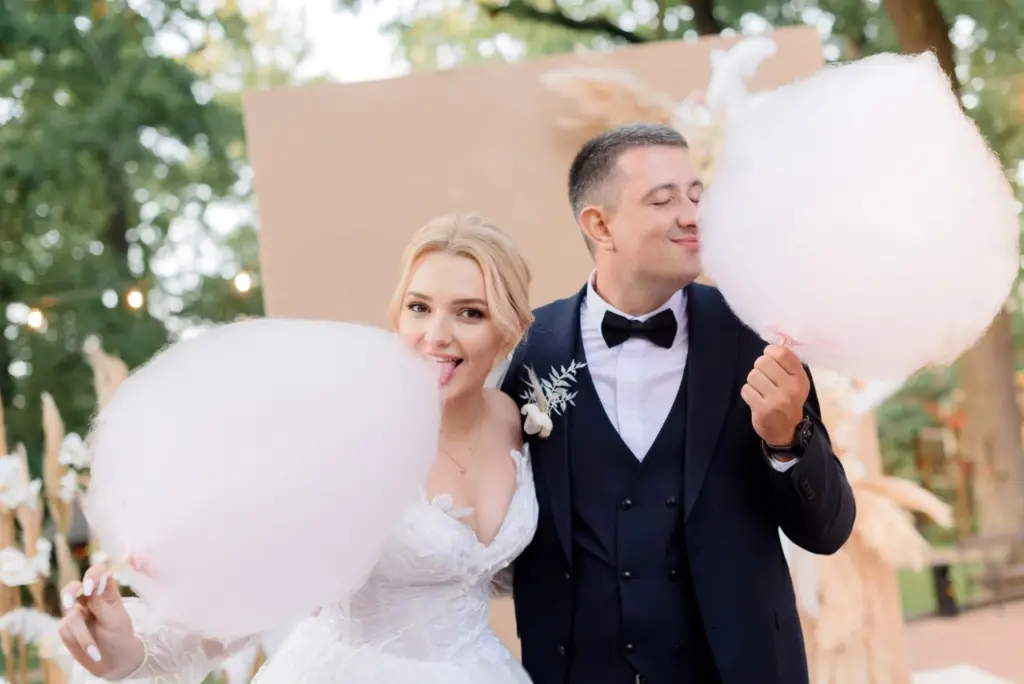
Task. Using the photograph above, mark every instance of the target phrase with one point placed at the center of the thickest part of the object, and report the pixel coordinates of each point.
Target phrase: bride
(422, 617)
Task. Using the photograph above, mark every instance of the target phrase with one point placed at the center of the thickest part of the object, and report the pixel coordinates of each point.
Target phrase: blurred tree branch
(521, 9)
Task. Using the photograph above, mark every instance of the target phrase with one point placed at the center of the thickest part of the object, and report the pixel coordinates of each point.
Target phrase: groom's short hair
(597, 161)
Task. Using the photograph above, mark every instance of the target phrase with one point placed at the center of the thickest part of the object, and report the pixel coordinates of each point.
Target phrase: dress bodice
(422, 617)
(429, 594)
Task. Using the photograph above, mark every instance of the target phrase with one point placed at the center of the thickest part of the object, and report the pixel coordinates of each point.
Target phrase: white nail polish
(87, 587)
(67, 600)
(103, 585)
(94, 653)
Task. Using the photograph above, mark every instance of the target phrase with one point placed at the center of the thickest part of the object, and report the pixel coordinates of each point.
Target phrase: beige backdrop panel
(345, 172)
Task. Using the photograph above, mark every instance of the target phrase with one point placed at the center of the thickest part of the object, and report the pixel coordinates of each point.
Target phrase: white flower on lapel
(543, 397)
(536, 421)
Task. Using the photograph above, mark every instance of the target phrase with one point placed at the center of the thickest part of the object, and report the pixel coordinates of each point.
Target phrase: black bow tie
(659, 329)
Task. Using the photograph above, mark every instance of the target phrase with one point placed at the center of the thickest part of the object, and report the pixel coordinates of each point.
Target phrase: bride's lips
(447, 365)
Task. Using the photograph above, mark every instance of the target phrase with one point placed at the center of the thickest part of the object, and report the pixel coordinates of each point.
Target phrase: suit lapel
(711, 367)
(560, 330)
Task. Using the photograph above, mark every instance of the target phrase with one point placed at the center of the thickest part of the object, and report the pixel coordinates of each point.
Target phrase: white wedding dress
(421, 618)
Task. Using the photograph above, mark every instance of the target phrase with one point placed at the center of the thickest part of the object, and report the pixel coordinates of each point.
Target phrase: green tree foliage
(123, 161)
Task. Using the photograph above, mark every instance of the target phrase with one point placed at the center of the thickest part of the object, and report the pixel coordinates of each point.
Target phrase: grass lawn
(917, 589)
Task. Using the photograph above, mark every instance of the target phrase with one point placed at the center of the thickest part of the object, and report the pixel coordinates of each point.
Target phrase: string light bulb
(242, 282)
(35, 319)
(134, 298)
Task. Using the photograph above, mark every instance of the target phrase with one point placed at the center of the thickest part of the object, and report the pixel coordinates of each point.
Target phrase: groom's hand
(775, 391)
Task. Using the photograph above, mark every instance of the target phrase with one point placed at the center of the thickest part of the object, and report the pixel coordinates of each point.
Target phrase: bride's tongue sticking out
(448, 367)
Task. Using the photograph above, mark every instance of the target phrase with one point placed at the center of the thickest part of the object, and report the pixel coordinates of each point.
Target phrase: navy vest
(635, 611)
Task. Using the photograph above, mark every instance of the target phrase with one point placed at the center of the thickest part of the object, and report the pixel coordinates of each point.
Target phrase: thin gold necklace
(479, 431)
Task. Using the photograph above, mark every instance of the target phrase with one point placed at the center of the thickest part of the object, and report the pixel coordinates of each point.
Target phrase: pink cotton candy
(253, 474)
(860, 213)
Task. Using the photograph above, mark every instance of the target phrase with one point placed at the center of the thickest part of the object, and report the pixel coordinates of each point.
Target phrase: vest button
(561, 650)
(627, 504)
(673, 575)
(671, 502)
(626, 575)
(628, 648)
(567, 577)
(676, 649)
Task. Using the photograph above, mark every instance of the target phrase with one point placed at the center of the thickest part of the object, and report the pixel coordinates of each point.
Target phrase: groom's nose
(689, 213)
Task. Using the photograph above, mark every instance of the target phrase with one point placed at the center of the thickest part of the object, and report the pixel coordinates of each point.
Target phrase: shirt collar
(596, 306)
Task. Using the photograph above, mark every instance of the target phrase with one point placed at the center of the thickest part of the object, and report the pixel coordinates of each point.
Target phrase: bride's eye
(475, 314)
(417, 307)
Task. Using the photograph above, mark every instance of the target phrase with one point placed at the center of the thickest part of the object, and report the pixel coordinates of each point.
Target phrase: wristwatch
(804, 432)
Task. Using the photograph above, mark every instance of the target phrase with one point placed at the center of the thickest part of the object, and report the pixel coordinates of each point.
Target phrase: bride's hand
(97, 629)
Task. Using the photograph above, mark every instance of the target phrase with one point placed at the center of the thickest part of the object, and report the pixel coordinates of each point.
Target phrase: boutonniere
(544, 397)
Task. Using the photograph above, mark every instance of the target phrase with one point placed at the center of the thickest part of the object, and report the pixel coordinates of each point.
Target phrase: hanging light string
(133, 293)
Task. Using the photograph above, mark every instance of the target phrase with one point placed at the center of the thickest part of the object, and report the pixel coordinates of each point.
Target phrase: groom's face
(654, 224)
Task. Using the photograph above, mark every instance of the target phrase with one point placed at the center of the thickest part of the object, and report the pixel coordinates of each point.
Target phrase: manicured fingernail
(67, 600)
(103, 585)
(94, 653)
(87, 586)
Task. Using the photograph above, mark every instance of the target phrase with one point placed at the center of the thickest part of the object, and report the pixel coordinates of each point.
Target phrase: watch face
(804, 433)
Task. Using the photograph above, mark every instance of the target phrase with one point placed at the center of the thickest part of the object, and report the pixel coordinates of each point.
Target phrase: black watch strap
(804, 432)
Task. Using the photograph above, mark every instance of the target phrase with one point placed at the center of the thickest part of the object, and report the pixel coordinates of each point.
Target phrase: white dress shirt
(637, 381)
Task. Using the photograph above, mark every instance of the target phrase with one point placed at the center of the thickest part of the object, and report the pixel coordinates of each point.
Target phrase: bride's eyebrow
(465, 301)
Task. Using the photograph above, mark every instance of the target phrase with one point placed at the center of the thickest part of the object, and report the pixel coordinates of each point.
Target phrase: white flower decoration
(543, 397)
(15, 568)
(40, 630)
(18, 570)
(44, 554)
(15, 488)
(70, 486)
(74, 452)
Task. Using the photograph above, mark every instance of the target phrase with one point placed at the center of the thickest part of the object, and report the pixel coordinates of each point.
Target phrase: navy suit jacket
(734, 502)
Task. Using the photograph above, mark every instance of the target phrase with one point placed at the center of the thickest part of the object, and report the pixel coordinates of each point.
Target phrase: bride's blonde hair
(506, 274)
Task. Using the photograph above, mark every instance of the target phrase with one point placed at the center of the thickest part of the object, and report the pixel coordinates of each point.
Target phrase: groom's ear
(593, 222)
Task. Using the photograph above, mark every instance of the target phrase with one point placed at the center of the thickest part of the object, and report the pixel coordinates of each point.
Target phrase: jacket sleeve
(814, 500)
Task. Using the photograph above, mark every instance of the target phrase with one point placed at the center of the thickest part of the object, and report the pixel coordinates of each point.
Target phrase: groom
(688, 444)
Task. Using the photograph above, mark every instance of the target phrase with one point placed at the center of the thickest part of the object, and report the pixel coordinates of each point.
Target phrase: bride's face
(445, 318)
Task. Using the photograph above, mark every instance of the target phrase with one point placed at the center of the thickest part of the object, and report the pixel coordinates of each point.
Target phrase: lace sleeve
(501, 585)
(174, 655)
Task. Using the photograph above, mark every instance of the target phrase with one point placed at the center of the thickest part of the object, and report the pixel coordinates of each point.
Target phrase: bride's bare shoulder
(505, 413)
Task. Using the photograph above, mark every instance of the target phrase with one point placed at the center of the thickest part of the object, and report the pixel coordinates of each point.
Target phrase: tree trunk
(704, 19)
(991, 437)
(920, 26)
